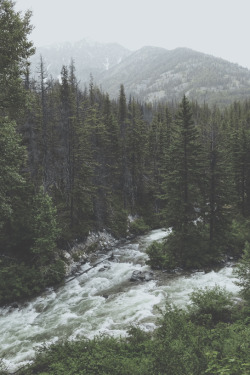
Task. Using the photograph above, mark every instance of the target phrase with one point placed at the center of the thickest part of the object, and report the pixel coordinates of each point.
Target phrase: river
(102, 300)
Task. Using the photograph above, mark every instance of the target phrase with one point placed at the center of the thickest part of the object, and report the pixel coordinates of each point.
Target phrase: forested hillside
(150, 74)
(155, 74)
(74, 160)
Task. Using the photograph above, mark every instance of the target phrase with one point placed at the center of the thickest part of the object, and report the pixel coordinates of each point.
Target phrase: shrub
(138, 226)
(20, 281)
(239, 235)
(158, 257)
(243, 272)
(211, 306)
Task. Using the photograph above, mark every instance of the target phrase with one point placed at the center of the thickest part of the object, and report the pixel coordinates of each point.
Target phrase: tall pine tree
(182, 190)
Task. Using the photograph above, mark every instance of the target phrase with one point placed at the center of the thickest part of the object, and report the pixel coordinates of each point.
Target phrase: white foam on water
(102, 300)
(156, 235)
(180, 288)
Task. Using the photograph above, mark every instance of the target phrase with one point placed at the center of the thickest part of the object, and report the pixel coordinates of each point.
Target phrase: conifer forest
(74, 161)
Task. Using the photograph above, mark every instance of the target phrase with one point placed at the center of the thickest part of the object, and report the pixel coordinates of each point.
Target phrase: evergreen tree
(44, 123)
(241, 168)
(136, 144)
(12, 160)
(219, 189)
(182, 181)
(45, 229)
(123, 123)
(182, 190)
(157, 158)
(15, 49)
(243, 273)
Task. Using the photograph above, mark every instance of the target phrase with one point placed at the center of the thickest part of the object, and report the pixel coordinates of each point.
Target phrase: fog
(220, 28)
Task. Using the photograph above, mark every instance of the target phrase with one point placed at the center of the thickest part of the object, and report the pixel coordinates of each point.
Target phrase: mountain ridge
(151, 73)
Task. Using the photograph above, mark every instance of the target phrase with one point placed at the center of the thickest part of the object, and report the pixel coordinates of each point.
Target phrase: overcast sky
(217, 27)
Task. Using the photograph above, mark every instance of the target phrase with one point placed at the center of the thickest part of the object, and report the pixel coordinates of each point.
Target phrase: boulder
(142, 276)
(104, 268)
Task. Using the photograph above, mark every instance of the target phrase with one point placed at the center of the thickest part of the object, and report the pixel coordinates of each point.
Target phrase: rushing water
(100, 300)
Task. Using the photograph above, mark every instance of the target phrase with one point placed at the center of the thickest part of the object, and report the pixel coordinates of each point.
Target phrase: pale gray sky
(217, 27)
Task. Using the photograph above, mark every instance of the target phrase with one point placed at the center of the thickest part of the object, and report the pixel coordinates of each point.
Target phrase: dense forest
(73, 161)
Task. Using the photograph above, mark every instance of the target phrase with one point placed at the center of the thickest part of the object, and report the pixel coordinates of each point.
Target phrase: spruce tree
(12, 160)
(15, 49)
(136, 141)
(125, 182)
(157, 159)
(218, 194)
(45, 229)
(182, 190)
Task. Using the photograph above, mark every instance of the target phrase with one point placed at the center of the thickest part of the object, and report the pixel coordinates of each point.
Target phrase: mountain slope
(152, 74)
(89, 58)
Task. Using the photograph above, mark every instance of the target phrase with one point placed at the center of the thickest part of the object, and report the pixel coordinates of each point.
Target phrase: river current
(102, 300)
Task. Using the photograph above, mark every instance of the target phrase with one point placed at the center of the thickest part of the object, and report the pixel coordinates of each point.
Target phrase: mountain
(89, 58)
(150, 73)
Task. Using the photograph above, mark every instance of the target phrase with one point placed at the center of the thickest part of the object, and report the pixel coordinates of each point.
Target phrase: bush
(158, 257)
(138, 226)
(211, 306)
(117, 220)
(102, 355)
(243, 273)
(239, 235)
(187, 248)
(178, 345)
(19, 281)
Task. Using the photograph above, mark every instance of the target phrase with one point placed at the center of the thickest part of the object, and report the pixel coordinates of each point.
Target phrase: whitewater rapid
(102, 300)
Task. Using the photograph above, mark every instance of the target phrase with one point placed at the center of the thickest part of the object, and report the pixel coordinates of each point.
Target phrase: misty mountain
(89, 58)
(150, 73)
(153, 74)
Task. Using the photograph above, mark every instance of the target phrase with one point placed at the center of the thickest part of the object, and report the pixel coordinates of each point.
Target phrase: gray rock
(104, 268)
(142, 276)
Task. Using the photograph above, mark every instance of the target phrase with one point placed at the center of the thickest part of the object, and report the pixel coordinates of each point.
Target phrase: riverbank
(103, 300)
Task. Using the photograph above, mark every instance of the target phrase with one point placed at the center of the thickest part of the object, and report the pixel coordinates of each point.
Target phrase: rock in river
(142, 276)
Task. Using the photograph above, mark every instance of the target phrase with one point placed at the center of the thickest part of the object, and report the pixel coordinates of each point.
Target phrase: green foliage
(211, 306)
(12, 158)
(15, 50)
(239, 235)
(45, 228)
(243, 272)
(181, 345)
(185, 167)
(178, 345)
(20, 281)
(158, 257)
(187, 249)
(226, 366)
(103, 355)
(181, 185)
(117, 219)
(138, 226)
